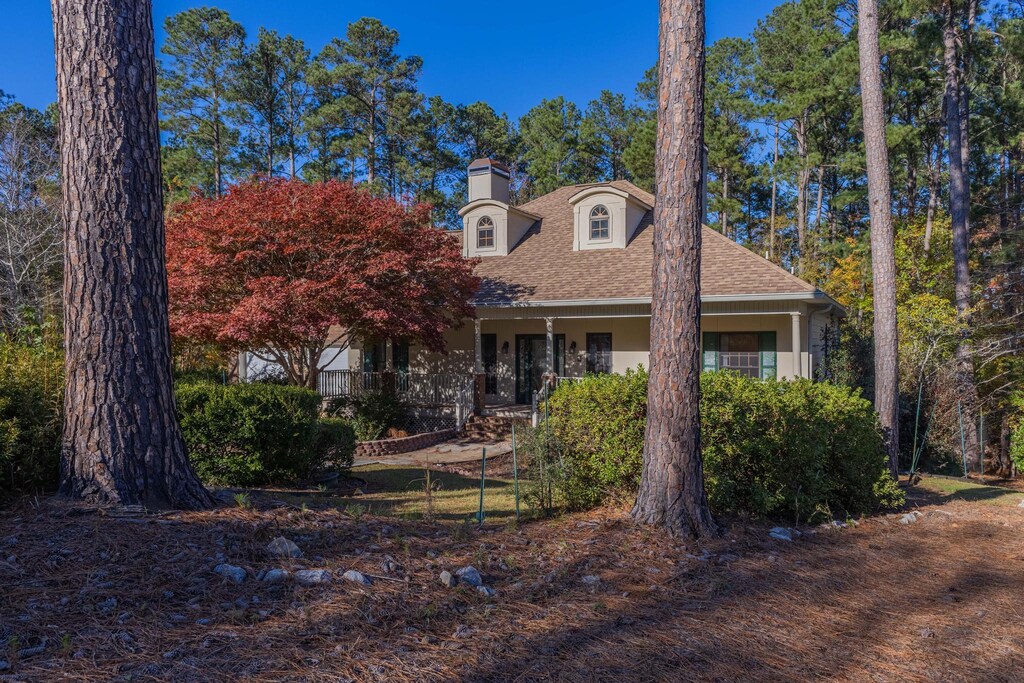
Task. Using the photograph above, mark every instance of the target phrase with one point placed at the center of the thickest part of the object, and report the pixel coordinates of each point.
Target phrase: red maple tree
(274, 265)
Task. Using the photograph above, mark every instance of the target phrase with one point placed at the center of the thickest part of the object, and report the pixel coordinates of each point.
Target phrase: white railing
(412, 387)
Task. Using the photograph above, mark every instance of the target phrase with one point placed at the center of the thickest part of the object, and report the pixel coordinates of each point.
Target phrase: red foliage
(276, 263)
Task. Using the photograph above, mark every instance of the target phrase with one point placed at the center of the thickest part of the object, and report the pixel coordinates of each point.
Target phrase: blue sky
(511, 57)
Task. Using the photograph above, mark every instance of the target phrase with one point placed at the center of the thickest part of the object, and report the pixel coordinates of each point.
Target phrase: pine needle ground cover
(86, 596)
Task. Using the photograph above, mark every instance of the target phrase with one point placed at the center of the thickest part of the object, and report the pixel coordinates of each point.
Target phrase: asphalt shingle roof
(544, 267)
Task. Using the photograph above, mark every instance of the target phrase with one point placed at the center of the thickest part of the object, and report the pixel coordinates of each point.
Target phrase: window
(485, 233)
(749, 353)
(599, 352)
(600, 220)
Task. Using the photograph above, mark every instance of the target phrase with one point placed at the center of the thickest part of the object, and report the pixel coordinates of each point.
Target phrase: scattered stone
(432, 554)
(230, 572)
(591, 580)
(471, 576)
(356, 577)
(781, 533)
(927, 633)
(312, 577)
(448, 579)
(274, 576)
(282, 547)
(108, 605)
(177, 618)
(486, 591)
(202, 622)
(241, 603)
(390, 565)
(910, 517)
(1021, 503)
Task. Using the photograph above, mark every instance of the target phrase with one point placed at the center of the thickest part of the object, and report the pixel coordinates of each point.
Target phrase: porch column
(798, 362)
(243, 367)
(479, 379)
(478, 349)
(550, 327)
(390, 386)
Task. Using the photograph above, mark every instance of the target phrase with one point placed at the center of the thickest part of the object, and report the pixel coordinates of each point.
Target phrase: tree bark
(883, 255)
(121, 442)
(775, 185)
(934, 179)
(803, 184)
(672, 481)
(959, 207)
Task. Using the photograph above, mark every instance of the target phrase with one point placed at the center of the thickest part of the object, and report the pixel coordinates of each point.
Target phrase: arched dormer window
(485, 233)
(600, 222)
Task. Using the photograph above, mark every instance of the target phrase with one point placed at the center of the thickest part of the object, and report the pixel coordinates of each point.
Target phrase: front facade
(566, 290)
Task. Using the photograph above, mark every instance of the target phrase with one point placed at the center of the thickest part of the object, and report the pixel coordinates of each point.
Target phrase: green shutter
(768, 355)
(711, 340)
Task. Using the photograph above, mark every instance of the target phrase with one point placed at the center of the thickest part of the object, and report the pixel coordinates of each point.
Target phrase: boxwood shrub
(800, 450)
(252, 434)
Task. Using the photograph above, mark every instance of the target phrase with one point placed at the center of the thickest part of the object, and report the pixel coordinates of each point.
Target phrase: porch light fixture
(504, 349)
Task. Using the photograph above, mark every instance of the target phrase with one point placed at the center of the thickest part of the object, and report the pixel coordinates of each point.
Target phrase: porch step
(491, 427)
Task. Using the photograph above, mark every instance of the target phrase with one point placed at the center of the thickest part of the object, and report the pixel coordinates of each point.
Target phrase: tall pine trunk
(959, 207)
(121, 442)
(672, 481)
(883, 255)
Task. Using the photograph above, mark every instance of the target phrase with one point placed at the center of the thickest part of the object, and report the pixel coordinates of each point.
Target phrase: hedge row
(802, 450)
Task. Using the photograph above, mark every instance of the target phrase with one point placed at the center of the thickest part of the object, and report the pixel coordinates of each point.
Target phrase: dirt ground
(89, 597)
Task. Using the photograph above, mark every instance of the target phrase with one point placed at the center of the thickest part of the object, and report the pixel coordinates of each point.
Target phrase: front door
(531, 363)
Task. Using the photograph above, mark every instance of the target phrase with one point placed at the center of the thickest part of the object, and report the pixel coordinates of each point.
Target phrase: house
(566, 289)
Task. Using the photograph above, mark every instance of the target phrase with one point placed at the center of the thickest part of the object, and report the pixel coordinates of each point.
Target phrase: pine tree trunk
(672, 482)
(775, 185)
(121, 441)
(934, 179)
(803, 182)
(883, 256)
(959, 207)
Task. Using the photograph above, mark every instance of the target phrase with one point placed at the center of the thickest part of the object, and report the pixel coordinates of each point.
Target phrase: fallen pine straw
(936, 600)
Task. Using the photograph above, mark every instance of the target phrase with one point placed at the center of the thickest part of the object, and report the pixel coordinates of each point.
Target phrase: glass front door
(531, 363)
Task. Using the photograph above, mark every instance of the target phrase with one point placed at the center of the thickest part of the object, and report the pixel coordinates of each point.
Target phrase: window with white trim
(600, 222)
(485, 233)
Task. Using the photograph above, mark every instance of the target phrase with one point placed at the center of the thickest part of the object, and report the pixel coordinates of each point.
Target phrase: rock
(312, 577)
(1021, 503)
(448, 579)
(910, 517)
(927, 633)
(432, 554)
(282, 547)
(356, 577)
(202, 622)
(230, 572)
(781, 533)
(471, 576)
(486, 591)
(107, 605)
(591, 580)
(275, 576)
(390, 565)
(241, 603)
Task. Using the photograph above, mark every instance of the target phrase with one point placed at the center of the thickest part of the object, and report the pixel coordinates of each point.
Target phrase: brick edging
(403, 445)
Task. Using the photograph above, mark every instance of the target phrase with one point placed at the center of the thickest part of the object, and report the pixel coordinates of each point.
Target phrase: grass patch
(400, 491)
(937, 490)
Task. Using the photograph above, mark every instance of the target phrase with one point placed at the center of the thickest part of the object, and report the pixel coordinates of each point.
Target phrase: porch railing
(412, 387)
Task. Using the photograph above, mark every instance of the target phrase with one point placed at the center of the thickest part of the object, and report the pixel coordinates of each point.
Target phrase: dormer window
(600, 222)
(485, 233)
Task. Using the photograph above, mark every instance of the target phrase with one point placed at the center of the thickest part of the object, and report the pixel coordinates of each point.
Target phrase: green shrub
(799, 449)
(250, 434)
(335, 443)
(373, 413)
(31, 395)
(1017, 431)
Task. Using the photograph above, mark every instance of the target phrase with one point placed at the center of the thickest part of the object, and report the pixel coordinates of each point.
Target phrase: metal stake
(483, 470)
